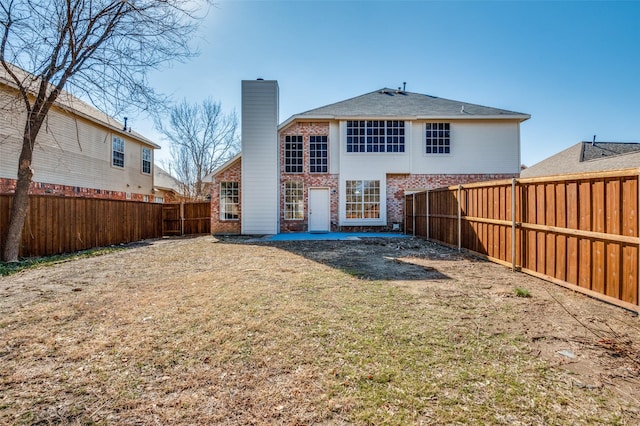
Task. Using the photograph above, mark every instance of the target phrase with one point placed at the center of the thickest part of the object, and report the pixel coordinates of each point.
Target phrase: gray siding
(260, 192)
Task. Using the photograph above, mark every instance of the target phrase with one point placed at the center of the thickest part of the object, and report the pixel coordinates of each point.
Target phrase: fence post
(426, 202)
(413, 216)
(181, 218)
(459, 217)
(513, 224)
(638, 267)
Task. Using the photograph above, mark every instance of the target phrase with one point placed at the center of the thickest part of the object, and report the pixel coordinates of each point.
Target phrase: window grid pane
(229, 201)
(293, 201)
(146, 160)
(437, 138)
(363, 199)
(293, 154)
(375, 136)
(117, 152)
(318, 154)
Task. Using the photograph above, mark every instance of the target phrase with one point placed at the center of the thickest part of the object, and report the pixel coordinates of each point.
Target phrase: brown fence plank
(579, 231)
(66, 224)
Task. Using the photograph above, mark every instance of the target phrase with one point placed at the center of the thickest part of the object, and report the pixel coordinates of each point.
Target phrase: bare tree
(202, 138)
(99, 50)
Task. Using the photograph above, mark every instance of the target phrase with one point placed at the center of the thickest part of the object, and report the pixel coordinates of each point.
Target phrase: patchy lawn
(204, 331)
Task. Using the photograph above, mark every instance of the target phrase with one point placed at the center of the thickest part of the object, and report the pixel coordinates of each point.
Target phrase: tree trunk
(21, 196)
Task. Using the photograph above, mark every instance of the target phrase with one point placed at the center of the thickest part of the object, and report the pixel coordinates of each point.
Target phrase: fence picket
(579, 231)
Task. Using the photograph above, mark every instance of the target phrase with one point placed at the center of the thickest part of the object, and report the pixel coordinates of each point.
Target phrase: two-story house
(348, 165)
(79, 151)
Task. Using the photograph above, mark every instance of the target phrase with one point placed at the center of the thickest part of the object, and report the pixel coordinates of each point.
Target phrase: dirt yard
(378, 331)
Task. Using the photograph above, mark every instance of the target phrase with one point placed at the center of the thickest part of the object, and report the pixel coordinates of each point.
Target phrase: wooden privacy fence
(186, 218)
(66, 224)
(578, 231)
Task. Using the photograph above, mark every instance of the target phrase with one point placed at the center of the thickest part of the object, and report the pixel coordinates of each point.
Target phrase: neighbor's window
(318, 154)
(146, 161)
(293, 200)
(375, 136)
(293, 154)
(117, 152)
(229, 201)
(363, 199)
(438, 138)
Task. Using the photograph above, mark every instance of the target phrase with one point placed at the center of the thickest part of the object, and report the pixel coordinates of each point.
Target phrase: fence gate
(186, 218)
(171, 222)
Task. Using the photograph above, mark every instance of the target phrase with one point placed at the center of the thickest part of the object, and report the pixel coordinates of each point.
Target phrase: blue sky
(574, 66)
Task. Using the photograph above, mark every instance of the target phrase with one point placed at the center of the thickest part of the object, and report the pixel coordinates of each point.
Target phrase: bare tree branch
(101, 50)
(202, 138)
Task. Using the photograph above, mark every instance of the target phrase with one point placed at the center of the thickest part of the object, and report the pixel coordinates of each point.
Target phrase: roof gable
(398, 103)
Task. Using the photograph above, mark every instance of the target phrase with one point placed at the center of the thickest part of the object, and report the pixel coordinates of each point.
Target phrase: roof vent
(260, 79)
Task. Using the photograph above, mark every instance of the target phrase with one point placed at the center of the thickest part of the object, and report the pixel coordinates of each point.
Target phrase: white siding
(260, 192)
(476, 147)
(70, 151)
(334, 148)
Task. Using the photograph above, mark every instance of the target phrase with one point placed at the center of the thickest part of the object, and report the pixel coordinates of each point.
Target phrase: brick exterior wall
(397, 184)
(308, 179)
(218, 225)
(8, 186)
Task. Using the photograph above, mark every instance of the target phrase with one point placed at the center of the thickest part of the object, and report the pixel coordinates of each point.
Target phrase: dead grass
(203, 332)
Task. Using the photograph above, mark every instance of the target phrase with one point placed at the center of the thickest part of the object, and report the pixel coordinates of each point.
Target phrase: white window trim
(142, 160)
(365, 220)
(288, 151)
(405, 144)
(223, 211)
(285, 210)
(113, 151)
(424, 140)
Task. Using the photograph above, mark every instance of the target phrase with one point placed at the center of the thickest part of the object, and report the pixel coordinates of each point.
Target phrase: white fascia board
(520, 118)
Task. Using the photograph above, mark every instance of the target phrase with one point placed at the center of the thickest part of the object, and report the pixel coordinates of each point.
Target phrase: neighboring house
(348, 165)
(78, 152)
(167, 188)
(588, 157)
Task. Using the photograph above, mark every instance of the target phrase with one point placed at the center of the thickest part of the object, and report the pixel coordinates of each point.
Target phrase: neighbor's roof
(397, 103)
(588, 157)
(74, 105)
(165, 181)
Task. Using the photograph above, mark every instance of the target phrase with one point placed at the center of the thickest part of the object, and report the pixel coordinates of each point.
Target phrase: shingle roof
(588, 157)
(600, 150)
(74, 105)
(397, 103)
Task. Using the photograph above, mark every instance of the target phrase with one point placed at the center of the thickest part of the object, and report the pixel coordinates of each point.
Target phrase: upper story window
(318, 154)
(438, 138)
(117, 152)
(293, 154)
(375, 136)
(146, 161)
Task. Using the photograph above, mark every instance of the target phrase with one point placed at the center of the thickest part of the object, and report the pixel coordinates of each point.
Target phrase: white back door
(319, 210)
